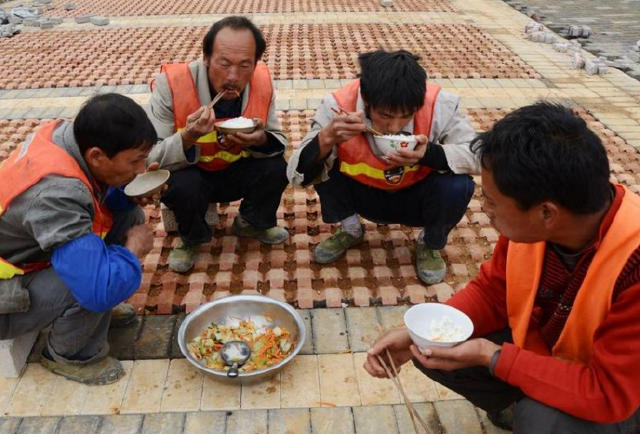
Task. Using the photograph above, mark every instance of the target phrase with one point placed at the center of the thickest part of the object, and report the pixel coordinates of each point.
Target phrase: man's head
(393, 87)
(230, 49)
(115, 136)
(541, 167)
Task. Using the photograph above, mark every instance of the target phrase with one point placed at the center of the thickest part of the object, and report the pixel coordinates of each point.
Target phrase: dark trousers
(259, 182)
(77, 335)
(530, 416)
(436, 203)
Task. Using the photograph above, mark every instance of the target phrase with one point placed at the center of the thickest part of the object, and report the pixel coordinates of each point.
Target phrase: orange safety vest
(593, 301)
(25, 167)
(358, 161)
(186, 101)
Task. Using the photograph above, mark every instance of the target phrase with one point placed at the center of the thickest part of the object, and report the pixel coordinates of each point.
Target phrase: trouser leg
(122, 222)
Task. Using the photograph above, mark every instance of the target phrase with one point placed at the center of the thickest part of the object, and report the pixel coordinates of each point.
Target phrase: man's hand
(139, 240)
(475, 352)
(154, 195)
(342, 127)
(397, 341)
(404, 157)
(199, 123)
(244, 140)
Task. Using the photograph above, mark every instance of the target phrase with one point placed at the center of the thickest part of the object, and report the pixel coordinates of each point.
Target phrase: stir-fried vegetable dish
(269, 345)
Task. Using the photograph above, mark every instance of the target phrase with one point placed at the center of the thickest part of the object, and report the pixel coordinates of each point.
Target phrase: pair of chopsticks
(393, 375)
(342, 111)
(220, 95)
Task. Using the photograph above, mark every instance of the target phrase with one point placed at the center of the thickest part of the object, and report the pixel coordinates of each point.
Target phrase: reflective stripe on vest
(26, 166)
(593, 301)
(359, 162)
(186, 101)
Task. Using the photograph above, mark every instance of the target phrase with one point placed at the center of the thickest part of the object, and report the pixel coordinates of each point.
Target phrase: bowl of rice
(236, 125)
(391, 143)
(437, 325)
(274, 331)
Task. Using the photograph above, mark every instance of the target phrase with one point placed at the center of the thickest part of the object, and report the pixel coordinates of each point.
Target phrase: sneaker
(429, 264)
(122, 315)
(182, 258)
(503, 418)
(105, 371)
(274, 235)
(332, 248)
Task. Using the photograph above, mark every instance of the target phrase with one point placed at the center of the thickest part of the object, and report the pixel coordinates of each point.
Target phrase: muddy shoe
(274, 235)
(332, 248)
(430, 266)
(182, 258)
(122, 315)
(105, 371)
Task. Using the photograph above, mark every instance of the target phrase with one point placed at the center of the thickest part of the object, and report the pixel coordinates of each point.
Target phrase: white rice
(240, 122)
(399, 138)
(444, 330)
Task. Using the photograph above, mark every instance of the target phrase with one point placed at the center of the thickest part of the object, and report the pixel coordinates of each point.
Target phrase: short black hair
(236, 22)
(113, 123)
(393, 80)
(543, 152)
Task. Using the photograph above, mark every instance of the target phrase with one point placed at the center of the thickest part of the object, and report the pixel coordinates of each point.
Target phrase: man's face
(507, 218)
(118, 170)
(389, 121)
(232, 63)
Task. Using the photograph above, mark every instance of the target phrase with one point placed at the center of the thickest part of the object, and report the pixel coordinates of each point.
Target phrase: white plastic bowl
(146, 182)
(393, 143)
(418, 321)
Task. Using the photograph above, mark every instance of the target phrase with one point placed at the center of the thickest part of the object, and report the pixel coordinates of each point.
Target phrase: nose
(233, 74)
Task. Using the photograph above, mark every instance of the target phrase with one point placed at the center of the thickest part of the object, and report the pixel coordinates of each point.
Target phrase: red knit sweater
(608, 389)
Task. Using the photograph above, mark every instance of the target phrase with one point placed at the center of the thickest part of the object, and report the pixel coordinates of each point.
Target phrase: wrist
(326, 141)
(493, 362)
(187, 139)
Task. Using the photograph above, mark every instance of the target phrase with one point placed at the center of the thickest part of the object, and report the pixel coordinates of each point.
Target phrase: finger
(413, 155)
(153, 166)
(375, 367)
(422, 139)
(422, 359)
(245, 139)
(195, 115)
(398, 160)
(231, 140)
(259, 123)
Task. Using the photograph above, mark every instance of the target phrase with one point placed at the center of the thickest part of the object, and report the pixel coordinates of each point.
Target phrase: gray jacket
(169, 152)
(449, 128)
(47, 215)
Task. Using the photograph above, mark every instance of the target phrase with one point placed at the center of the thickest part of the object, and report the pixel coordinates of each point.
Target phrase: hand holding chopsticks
(341, 111)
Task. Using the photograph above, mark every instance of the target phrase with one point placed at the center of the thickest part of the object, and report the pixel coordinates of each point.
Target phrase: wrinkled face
(118, 170)
(389, 121)
(507, 218)
(232, 62)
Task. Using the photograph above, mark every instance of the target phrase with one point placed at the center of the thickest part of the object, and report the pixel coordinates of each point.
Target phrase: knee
(532, 416)
(183, 186)
(274, 172)
(461, 188)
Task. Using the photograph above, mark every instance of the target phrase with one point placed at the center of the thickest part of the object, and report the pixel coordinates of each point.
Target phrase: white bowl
(418, 321)
(393, 143)
(146, 182)
(227, 127)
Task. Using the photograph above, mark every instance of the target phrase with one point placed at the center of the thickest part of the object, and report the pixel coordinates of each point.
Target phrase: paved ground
(473, 48)
(615, 24)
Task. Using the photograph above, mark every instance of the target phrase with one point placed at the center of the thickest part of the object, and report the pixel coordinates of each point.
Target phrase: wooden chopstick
(404, 395)
(404, 398)
(369, 129)
(219, 96)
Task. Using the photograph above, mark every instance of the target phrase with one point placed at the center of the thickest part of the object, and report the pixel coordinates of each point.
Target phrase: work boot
(122, 315)
(274, 235)
(503, 418)
(332, 248)
(104, 371)
(430, 266)
(182, 257)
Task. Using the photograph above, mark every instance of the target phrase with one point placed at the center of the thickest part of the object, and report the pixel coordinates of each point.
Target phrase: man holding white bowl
(556, 311)
(421, 181)
(188, 104)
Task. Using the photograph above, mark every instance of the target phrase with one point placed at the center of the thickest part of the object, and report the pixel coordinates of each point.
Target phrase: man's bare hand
(397, 341)
(139, 240)
(475, 352)
(152, 197)
(342, 127)
(405, 157)
(245, 140)
(199, 123)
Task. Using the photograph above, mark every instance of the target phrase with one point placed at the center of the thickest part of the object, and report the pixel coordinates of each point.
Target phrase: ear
(95, 157)
(549, 213)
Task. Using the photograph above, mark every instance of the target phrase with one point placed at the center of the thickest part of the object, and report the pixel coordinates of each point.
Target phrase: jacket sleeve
(606, 390)
(99, 276)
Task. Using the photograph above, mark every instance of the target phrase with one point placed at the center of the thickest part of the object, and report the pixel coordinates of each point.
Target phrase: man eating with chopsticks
(427, 187)
(187, 102)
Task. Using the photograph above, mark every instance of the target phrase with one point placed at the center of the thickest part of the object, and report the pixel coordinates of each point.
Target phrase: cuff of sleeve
(272, 146)
(435, 157)
(504, 364)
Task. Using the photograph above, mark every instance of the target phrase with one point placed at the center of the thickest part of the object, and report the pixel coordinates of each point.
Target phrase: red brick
(379, 256)
(304, 296)
(226, 261)
(357, 273)
(223, 280)
(478, 253)
(475, 205)
(329, 274)
(229, 244)
(333, 296)
(407, 271)
(403, 255)
(220, 294)
(416, 293)
(444, 291)
(382, 274)
(151, 261)
(301, 241)
(276, 277)
(480, 218)
(354, 257)
(453, 253)
(459, 270)
(467, 234)
(389, 295)
(250, 279)
(277, 258)
(303, 257)
(361, 296)
(192, 300)
(138, 301)
(490, 234)
(277, 294)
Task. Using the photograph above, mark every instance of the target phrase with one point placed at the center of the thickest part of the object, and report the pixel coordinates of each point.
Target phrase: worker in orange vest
(426, 187)
(556, 311)
(208, 166)
(70, 240)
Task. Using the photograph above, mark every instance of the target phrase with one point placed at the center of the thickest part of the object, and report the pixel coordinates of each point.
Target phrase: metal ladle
(235, 354)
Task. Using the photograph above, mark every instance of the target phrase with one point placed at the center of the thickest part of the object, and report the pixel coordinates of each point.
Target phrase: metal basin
(242, 306)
